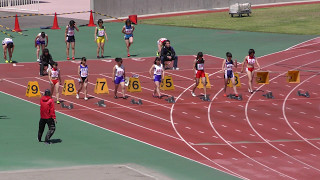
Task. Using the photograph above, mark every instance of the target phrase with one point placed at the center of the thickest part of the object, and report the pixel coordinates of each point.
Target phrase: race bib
(200, 66)
(101, 32)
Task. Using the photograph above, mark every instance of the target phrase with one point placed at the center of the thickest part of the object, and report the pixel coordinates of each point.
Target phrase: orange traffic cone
(16, 25)
(55, 22)
(133, 19)
(91, 23)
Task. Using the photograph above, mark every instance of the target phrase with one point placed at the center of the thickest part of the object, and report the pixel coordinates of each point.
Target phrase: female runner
(118, 77)
(157, 74)
(227, 66)
(198, 68)
(83, 77)
(127, 30)
(250, 60)
(55, 79)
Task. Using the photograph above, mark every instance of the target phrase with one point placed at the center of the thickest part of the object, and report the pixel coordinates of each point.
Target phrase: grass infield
(298, 19)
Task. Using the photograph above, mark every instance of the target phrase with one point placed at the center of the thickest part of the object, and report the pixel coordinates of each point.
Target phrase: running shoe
(236, 95)
(10, 61)
(58, 102)
(68, 58)
(77, 96)
(224, 95)
(98, 57)
(176, 68)
(73, 58)
(86, 99)
(102, 56)
(7, 61)
(128, 55)
(116, 97)
(193, 94)
(38, 60)
(158, 53)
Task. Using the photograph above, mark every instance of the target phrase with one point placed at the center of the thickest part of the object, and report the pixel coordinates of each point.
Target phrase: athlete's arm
(113, 73)
(95, 34)
(105, 33)
(75, 26)
(79, 72)
(123, 30)
(223, 65)
(258, 64)
(243, 64)
(47, 41)
(12, 49)
(150, 71)
(49, 75)
(65, 34)
(59, 76)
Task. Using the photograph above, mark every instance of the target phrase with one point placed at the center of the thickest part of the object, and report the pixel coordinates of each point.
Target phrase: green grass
(298, 19)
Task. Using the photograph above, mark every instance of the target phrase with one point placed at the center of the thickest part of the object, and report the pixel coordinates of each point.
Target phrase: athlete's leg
(234, 85)
(127, 45)
(80, 88)
(57, 90)
(4, 52)
(73, 44)
(102, 48)
(204, 82)
(116, 86)
(98, 47)
(158, 88)
(196, 85)
(67, 50)
(122, 89)
(130, 40)
(85, 84)
(249, 73)
(38, 51)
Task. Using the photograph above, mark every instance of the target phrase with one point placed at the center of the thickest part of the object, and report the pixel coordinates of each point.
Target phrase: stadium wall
(122, 8)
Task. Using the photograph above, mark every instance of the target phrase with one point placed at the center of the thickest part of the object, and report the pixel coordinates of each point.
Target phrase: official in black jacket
(168, 54)
(45, 60)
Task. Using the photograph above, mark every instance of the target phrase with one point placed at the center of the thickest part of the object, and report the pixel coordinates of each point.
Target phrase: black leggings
(51, 126)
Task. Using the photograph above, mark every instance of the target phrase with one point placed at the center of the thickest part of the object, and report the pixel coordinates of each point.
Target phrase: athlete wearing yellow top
(100, 35)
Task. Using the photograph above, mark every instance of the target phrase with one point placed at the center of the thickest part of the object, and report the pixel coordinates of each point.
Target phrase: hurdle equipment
(171, 99)
(33, 89)
(307, 95)
(293, 77)
(233, 96)
(167, 83)
(205, 98)
(101, 103)
(208, 85)
(139, 102)
(65, 106)
(268, 95)
(262, 77)
(101, 86)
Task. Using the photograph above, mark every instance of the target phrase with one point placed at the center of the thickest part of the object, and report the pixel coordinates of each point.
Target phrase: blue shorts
(118, 80)
(127, 36)
(228, 74)
(157, 78)
(40, 42)
(71, 39)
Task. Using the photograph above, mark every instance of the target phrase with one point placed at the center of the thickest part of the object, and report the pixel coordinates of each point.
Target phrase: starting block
(139, 102)
(268, 95)
(205, 98)
(171, 100)
(304, 95)
(233, 96)
(65, 106)
(101, 103)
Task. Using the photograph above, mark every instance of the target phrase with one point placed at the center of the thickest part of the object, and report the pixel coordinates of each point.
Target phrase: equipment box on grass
(239, 9)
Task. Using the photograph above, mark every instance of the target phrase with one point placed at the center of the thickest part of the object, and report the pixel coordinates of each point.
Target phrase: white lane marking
(317, 117)
(232, 115)
(281, 118)
(313, 155)
(288, 108)
(197, 117)
(259, 152)
(310, 127)
(219, 111)
(224, 126)
(252, 135)
(267, 114)
(282, 145)
(184, 113)
(220, 153)
(215, 137)
(228, 102)
(188, 127)
(274, 129)
(106, 60)
(235, 159)
(296, 122)
(290, 162)
(205, 107)
(205, 148)
(250, 164)
(240, 105)
(275, 82)
(244, 146)
(302, 112)
(274, 157)
(306, 167)
(253, 109)
(288, 86)
(308, 102)
(237, 130)
(201, 132)
(281, 94)
(274, 104)
(260, 124)
(289, 133)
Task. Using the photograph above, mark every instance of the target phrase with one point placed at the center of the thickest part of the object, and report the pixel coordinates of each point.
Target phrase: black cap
(47, 92)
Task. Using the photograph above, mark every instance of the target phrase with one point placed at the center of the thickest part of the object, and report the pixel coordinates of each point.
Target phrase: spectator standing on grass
(168, 54)
(8, 46)
(46, 62)
(47, 116)
(100, 35)
(127, 30)
(70, 39)
(40, 42)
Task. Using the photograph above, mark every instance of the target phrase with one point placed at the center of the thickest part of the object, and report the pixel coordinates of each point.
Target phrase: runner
(41, 41)
(227, 66)
(157, 74)
(70, 39)
(198, 68)
(250, 60)
(7, 45)
(118, 77)
(160, 45)
(100, 35)
(83, 77)
(127, 30)
(55, 79)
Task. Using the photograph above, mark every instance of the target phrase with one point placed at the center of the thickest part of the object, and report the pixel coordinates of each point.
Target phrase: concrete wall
(122, 8)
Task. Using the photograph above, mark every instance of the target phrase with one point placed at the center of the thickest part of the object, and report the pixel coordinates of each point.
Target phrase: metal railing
(19, 5)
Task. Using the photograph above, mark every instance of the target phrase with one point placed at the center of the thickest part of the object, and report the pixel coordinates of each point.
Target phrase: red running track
(253, 138)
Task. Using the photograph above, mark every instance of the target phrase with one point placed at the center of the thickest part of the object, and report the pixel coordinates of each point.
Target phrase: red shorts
(200, 74)
(250, 69)
(54, 81)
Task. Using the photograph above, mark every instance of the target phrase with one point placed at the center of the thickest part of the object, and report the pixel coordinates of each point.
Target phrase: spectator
(7, 45)
(168, 54)
(160, 45)
(45, 61)
(48, 116)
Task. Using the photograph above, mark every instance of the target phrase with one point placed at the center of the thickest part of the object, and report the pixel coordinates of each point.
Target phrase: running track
(250, 139)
